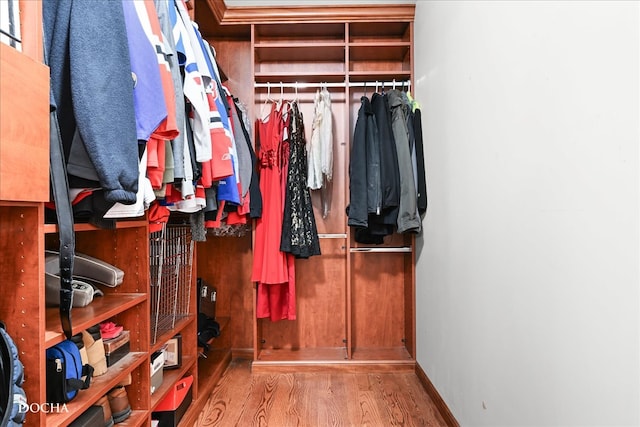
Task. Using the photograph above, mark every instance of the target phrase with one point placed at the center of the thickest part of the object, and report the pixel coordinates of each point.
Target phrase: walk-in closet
(276, 213)
(293, 82)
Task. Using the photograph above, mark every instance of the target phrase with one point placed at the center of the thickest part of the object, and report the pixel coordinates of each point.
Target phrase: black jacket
(389, 173)
(365, 192)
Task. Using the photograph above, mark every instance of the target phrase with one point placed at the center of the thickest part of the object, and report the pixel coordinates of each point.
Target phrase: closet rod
(381, 250)
(298, 85)
(332, 235)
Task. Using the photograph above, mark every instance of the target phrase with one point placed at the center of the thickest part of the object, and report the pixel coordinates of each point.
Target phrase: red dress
(273, 270)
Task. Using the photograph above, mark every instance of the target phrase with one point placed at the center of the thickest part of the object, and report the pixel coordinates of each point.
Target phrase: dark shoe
(119, 402)
(108, 418)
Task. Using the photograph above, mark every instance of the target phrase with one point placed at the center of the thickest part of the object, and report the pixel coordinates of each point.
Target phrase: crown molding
(239, 15)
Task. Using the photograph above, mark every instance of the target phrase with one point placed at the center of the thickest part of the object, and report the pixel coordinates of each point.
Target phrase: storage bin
(170, 410)
(157, 362)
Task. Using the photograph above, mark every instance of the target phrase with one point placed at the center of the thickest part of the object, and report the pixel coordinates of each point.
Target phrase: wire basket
(171, 252)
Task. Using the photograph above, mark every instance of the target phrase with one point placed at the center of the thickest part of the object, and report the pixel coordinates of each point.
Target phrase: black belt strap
(60, 189)
(64, 212)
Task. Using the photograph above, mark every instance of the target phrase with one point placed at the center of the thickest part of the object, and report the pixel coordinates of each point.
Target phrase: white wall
(528, 271)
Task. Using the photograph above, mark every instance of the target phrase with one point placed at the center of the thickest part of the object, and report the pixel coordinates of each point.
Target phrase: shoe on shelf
(78, 341)
(95, 352)
(110, 330)
(125, 381)
(119, 402)
(104, 402)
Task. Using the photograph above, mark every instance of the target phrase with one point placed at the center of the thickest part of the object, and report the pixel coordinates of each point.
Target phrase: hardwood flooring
(317, 399)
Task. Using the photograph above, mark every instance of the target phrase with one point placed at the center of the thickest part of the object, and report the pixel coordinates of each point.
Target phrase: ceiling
(209, 13)
(234, 3)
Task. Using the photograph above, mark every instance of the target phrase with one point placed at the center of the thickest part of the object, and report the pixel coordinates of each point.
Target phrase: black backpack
(13, 400)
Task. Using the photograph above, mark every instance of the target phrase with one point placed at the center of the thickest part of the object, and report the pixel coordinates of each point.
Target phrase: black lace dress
(299, 232)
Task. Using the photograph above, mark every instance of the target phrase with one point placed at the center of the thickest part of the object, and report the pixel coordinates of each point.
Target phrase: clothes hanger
(281, 100)
(266, 102)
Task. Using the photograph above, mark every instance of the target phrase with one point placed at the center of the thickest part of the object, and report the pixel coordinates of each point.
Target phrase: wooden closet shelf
(136, 419)
(210, 371)
(306, 44)
(303, 354)
(99, 387)
(296, 76)
(302, 52)
(265, 33)
(211, 368)
(181, 324)
(381, 354)
(379, 52)
(385, 75)
(132, 223)
(169, 378)
(82, 318)
(379, 31)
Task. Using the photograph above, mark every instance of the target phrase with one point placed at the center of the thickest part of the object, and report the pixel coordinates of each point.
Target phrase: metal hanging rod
(332, 235)
(302, 85)
(382, 250)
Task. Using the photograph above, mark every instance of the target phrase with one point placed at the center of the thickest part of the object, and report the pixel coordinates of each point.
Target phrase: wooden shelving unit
(355, 307)
(24, 236)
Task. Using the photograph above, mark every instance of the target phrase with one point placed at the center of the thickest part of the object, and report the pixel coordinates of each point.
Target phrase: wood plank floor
(313, 399)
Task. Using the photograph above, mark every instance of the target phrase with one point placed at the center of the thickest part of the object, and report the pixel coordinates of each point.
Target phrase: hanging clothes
(164, 16)
(386, 169)
(299, 232)
(320, 147)
(100, 106)
(421, 169)
(147, 84)
(273, 270)
(365, 190)
(408, 218)
(255, 197)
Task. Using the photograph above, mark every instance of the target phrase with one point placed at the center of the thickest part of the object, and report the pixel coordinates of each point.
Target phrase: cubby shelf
(99, 387)
(100, 309)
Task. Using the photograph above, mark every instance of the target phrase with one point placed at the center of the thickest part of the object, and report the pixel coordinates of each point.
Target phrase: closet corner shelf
(99, 310)
(99, 387)
(210, 371)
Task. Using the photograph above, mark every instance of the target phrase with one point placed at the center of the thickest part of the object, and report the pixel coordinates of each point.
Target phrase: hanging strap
(64, 212)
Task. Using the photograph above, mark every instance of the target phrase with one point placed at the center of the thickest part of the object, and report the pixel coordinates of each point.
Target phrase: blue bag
(13, 400)
(65, 371)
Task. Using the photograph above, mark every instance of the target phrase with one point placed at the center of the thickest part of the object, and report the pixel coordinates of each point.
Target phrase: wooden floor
(317, 400)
